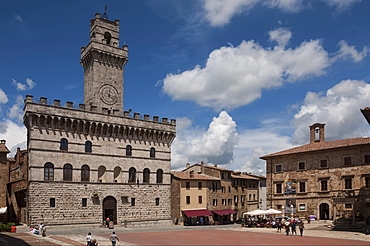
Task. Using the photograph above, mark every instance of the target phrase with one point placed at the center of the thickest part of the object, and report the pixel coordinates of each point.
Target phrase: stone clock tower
(103, 63)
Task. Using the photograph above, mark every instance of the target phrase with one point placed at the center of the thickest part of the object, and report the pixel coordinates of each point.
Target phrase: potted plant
(242, 224)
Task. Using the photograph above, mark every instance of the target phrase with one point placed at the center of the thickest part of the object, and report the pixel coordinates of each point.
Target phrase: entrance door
(324, 211)
(110, 209)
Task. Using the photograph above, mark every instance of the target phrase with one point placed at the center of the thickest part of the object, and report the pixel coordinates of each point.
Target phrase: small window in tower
(107, 37)
(52, 202)
(152, 152)
(88, 146)
(84, 202)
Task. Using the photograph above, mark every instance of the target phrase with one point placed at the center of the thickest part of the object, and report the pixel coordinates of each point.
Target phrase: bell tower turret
(103, 62)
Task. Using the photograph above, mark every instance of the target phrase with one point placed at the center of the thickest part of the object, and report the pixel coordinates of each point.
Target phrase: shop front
(197, 217)
(223, 216)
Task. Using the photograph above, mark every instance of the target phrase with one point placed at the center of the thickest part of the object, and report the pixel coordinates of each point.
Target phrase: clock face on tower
(108, 94)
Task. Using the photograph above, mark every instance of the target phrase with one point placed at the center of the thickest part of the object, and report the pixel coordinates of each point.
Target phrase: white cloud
(291, 6)
(254, 143)
(219, 12)
(22, 87)
(342, 5)
(3, 97)
(214, 145)
(16, 111)
(14, 134)
(346, 51)
(339, 108)
(281, 36)
(236, 76)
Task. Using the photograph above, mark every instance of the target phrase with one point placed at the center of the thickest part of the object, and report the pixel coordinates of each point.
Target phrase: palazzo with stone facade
(322, 179)
(94, 161)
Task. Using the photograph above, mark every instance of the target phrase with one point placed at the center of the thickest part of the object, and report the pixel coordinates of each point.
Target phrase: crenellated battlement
(94, 109)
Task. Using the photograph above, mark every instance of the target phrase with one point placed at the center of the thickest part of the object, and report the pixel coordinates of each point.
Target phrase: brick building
(3, 181)
(229, 194)
(18, 187)
(189, 197)
(93, 161)
(327, 179)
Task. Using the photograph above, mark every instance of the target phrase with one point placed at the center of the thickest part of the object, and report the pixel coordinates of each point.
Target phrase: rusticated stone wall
(69, 210)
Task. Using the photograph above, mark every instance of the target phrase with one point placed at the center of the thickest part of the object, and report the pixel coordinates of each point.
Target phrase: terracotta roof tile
(321, 146)
(244, 176)
(186, 175)
(213, 167)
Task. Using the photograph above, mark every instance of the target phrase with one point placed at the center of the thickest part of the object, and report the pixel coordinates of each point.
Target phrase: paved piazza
(317, 233)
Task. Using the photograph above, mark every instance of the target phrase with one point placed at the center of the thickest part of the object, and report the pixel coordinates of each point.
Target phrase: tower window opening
(317, 134)
(107, 37)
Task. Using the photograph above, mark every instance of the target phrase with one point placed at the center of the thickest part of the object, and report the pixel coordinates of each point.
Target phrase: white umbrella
(273, 211)
(256, 212)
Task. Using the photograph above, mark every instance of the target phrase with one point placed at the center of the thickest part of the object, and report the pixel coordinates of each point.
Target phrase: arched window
(107, 37)
(63, 144)
(85, 173)
(117, 175)
(88, 146)
(159, 176)
(146, 175)
(131, 175)
(128, 150)
(48, 171)
(102, 174)
(152, 152)
(67, 172)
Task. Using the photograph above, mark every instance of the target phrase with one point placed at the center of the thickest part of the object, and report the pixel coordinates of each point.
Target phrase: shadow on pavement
(7, 239)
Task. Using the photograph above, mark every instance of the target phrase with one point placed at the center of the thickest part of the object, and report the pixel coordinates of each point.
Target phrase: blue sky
(243, 78)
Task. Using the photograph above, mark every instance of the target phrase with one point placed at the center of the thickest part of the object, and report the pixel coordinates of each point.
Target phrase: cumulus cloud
(281, 36)
(236, 76)
(338, 107)
(3, 97)
(269, 138)
(219, 12)
(16, 111)
(214, 145)
(23, 87)
(346, 51)
(14, 134)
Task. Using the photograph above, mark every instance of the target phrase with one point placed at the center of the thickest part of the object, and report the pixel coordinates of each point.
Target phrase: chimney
(191, 174)
(215, 165)
(202, 167)
(317, 133)
(187, 165)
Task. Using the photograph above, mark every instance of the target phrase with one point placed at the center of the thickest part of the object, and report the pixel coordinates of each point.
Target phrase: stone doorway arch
(324, 211)
(110, 209)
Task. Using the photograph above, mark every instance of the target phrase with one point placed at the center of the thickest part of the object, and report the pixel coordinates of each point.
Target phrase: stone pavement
(185, 235)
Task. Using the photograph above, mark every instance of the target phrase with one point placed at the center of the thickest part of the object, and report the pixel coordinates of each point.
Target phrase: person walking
(301, 228)
(88, 239)
(294, 228)
(278, 225)
(113, 238)
(287, 228)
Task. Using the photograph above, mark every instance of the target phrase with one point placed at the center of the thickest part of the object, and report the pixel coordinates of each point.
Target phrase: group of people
(93, 242)
(40, 230)
(290, 227)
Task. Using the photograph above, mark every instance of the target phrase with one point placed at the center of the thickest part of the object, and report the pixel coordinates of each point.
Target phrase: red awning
(223, 212)
(196, 213)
